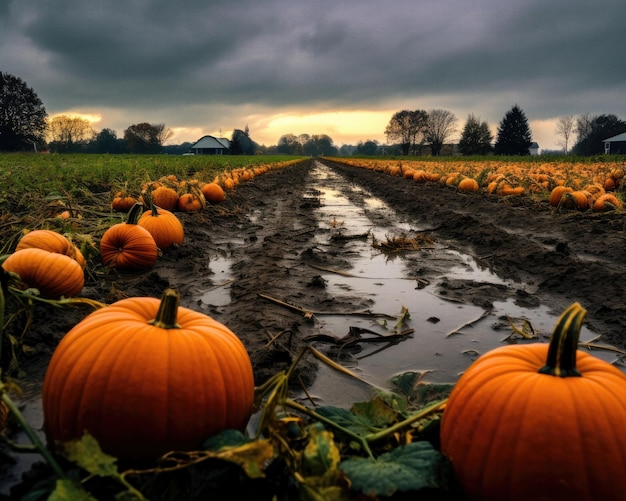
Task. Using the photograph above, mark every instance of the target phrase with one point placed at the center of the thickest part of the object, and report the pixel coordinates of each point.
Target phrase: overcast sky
(340, 68)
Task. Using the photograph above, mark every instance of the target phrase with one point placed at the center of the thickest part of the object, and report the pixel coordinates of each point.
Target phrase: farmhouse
(533, 149)
(209, 145)
(615, 144)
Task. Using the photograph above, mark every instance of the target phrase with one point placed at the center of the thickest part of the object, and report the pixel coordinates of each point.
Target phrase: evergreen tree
(241, 143)
(476, 137)
(514, 136)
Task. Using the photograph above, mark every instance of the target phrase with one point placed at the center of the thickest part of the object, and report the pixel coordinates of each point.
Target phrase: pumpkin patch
(271, 270)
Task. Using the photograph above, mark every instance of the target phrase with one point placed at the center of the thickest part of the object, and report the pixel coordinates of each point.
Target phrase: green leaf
(411, 385)
(87, 454)
(412, 467)
(377, 411)
(66, 490)
(405, 315)
(361, 425)
(320, 454)
(226, 438)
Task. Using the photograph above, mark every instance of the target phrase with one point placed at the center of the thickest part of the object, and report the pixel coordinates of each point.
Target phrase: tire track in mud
(279, 227)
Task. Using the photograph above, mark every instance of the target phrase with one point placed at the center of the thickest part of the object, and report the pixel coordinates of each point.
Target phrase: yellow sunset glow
(341, 126)
(92, 118)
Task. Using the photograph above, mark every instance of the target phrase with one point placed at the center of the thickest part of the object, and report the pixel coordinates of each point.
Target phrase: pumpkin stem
(561, 361)
(166, 316)
(134, 213)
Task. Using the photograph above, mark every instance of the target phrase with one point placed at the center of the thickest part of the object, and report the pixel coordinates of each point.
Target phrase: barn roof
(616, 139)
(210, 142)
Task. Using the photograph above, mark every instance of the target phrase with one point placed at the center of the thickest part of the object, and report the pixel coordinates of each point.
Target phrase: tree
(107, 142)
(476, 137)
(583, 125)
(146, 138)
(407, 127)
(439, 126)
(67, 133)
(22, 115)
(319, 145)
(595, 130)
(368, 147)
(514, 136)
(241, 143)
(564, 130)
(288, 144)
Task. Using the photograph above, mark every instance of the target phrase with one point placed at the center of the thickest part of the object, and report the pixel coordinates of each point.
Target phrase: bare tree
(66, 132)
(584, 126)
(441, 124)
(408, 127)
(564, 130)
(146, 137)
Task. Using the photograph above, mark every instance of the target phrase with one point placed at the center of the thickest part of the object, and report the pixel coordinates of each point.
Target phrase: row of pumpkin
(190, 195)
(51, 263)
(571, 186)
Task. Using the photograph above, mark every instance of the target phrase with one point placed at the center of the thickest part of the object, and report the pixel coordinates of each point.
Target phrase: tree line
(24, 125)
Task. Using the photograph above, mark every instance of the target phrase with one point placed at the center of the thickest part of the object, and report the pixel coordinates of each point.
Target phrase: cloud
(198, 65)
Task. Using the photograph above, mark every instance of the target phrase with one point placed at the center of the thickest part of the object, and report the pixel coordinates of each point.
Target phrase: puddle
(218, 294)
(439, 346)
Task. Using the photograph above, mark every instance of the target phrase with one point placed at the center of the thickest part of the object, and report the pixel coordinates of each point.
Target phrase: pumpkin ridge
(485, 455)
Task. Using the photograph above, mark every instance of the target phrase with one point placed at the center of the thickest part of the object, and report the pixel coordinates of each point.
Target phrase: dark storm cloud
(554, 58)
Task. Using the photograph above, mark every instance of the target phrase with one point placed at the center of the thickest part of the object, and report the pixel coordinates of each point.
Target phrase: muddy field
(270, 233)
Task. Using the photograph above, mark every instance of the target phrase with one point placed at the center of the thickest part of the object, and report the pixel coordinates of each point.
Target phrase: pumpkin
(557, 194)
(606, 202)
(578, 199)
(539, 421)
(122, 202)
(55, 275)
(213, 193)
(165, 197)
(51, 241)
(468, 184)
(128, 246)
(144, 377)
(163, 225)
(191, 202)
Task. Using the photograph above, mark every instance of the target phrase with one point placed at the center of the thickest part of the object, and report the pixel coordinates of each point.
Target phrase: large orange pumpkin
(54, 275)
(51, 241)
(539, 421)
(163, 225)
(127, 246)
(144, 377)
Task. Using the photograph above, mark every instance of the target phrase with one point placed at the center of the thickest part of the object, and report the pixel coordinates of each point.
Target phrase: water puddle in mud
(442, 344)
(218, 294)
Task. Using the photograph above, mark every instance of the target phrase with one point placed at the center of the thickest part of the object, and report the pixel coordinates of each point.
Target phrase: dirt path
(269, 232)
